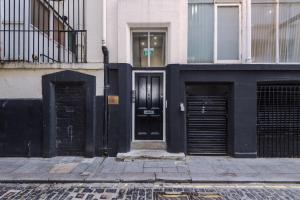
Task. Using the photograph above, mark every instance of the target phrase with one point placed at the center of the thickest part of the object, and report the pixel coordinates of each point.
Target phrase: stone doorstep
(150, 154)
(153, 145)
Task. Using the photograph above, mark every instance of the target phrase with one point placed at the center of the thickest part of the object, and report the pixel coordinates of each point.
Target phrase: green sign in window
(148, 51)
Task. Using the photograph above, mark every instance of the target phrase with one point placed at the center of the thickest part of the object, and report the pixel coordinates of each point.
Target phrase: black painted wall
(21, 131)
(99, 139)
(243, 80)
(21, 121)
(119, 127)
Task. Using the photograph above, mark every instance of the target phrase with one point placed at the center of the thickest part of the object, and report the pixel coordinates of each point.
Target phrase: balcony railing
(42, 31)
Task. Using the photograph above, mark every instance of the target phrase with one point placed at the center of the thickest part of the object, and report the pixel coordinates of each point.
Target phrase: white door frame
(134, 72)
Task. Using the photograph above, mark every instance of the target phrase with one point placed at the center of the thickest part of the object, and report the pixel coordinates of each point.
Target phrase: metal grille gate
(278, 120)
(207, 125)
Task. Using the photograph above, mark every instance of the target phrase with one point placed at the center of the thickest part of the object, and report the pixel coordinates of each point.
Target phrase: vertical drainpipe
(106, 79)
(104, 33)
(248, 35)
(2, 23)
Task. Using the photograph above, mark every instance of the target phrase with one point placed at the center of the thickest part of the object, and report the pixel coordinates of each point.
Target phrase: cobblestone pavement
(149, 191)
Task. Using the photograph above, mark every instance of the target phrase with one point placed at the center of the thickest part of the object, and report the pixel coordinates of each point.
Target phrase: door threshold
(148, 145)
(150, 154)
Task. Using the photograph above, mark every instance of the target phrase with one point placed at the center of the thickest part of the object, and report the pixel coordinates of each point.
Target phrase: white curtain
(200, 33)
(289, 32)
(264, 33)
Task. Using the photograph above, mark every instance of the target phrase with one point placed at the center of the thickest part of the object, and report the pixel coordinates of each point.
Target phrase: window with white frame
(276, 31)
(148, 48)
(214, 31)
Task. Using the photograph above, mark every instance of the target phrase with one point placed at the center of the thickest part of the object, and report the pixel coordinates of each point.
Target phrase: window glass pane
(157, 49)
(228, 33)
(201, 1)
(264, 33)
(40, 16)
(200, 37)
(289, 32)
(58, 28)
(289, 1)
(140, 49)
(263, 1)
(227, 1)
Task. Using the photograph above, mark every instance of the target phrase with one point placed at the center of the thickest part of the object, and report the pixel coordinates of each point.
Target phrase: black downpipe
(105, 54)
(106, 93)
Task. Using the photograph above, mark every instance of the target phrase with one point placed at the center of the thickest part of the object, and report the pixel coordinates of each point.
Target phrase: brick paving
(148, 191)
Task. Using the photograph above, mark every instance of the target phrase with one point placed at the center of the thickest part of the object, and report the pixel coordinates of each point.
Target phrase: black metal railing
(44, 31)
(278, 120)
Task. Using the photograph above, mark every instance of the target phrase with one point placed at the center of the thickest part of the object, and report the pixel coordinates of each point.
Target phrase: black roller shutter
(206, 125)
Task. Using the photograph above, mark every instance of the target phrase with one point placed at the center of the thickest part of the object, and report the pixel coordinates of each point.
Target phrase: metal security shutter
(70, 119)
(278, 120)
(207, 125)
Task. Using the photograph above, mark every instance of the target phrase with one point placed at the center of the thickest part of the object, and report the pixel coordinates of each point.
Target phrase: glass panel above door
(157, 49)
(148, 49)
(139, 45)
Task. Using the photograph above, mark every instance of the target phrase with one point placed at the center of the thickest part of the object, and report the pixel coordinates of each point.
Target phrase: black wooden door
(149, 106)
(70, 119)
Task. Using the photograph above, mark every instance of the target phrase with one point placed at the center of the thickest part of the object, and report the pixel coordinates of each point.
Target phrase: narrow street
(150, 191)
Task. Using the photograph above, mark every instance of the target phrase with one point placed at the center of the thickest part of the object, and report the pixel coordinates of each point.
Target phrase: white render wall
(123, 15)
(27, 83)
(93, 25)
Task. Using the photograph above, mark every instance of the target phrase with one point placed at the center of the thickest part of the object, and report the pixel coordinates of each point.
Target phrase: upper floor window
(44, 31)
(40, 16)
(276, 31)
(59, 33)
(214, 32)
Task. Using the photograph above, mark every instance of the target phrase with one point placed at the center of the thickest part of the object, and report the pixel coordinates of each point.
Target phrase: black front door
(149, 106)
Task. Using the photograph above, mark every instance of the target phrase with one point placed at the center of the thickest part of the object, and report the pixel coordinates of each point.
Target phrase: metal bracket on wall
(182, 108)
